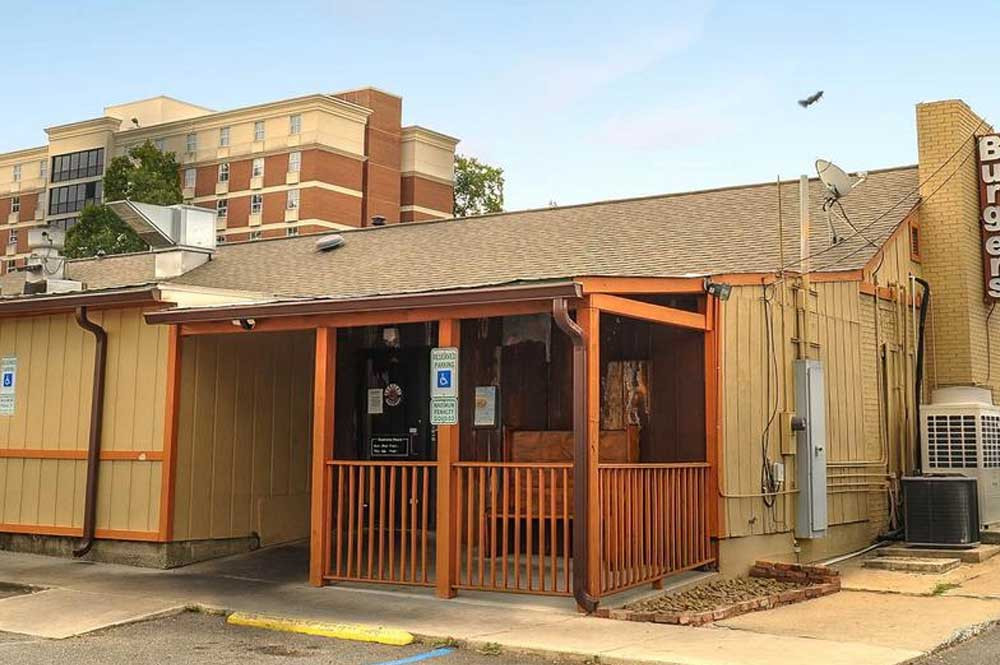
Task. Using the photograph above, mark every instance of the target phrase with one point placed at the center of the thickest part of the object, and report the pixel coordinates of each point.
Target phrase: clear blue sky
(577, 101)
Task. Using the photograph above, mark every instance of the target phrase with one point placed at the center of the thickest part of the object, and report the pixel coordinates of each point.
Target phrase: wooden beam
(449, 334)
(635, 309)
(713, 410)
(168, 470)
(589, 319)
(632, 285)
(64, 454)
(385, 317)
(324, 384)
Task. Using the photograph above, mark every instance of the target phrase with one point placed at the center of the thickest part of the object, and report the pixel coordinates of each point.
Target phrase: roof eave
(67, 302)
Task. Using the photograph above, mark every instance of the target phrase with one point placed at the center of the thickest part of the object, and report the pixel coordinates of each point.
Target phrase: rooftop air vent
(330, 242)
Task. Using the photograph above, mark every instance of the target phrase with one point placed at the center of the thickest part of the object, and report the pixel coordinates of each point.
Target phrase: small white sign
(374, 401)
(444, 411)
(486, 407)
(444, 372)
(8, 385)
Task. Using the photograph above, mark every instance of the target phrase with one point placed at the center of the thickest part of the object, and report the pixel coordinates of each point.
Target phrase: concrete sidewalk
(269, 582)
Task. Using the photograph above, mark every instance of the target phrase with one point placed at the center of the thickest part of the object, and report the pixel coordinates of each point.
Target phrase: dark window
(72, 198)
(84, 164)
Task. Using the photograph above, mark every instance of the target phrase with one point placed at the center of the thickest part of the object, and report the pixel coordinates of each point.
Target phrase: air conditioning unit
(941, 510)
(960, 434)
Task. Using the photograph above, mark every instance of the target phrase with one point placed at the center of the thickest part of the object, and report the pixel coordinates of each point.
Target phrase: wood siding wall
(243, 444)
(868, 370)
(43, 445)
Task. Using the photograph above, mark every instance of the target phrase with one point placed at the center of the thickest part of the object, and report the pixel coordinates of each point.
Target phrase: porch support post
(712, 341)
(324, 382)
(168, 467)
(587, 504)
(449, 334)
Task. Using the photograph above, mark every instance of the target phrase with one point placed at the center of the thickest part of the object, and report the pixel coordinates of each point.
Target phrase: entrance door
(396, 406)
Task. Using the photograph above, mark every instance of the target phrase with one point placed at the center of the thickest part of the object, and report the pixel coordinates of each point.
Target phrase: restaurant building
(569, 401)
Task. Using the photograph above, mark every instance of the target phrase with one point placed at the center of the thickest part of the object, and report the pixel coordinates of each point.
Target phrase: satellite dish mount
(838, 184)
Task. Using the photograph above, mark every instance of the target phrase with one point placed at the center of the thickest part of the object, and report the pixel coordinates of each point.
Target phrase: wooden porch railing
(654, 522)
(381, 515)
(513, 526)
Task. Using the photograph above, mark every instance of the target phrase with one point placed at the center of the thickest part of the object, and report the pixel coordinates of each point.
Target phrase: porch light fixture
(719, 290)
(246, 324)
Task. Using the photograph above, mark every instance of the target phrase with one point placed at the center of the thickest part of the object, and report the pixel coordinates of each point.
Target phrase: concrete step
(912, 565)
(976, 554)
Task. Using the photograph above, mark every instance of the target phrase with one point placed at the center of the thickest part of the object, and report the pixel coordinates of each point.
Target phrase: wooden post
(589, 319)
(712, 340)
(168, 467)
(449, 334)
(324, 383)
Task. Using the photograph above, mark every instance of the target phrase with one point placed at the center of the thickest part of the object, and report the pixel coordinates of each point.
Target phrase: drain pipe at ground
(560, 313)
(96, 421)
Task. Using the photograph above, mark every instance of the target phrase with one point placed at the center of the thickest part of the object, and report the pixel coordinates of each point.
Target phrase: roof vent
(327, 243)
(378, 220)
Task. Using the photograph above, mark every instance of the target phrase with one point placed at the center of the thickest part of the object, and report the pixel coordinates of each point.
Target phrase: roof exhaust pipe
(96, 424)
(581, 453)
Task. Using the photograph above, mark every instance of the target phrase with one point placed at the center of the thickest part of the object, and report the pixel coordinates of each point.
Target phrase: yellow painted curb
(340, 631)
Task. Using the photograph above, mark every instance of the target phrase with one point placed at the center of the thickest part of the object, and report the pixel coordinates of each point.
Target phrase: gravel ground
(192, 638)
(984, 649)
(713, 595)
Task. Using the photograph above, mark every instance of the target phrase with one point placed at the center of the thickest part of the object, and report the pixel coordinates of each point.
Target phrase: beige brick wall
(952, 256)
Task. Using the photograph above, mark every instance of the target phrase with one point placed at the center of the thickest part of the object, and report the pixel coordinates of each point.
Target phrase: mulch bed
(769, 585)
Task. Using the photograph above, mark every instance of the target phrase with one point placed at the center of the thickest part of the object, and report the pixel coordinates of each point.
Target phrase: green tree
(145, 174)
(478, 187)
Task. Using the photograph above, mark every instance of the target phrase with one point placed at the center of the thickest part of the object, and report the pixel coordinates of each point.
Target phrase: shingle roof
(731, 230)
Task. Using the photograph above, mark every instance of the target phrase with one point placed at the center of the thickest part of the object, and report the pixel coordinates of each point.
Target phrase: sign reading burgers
(989, 212)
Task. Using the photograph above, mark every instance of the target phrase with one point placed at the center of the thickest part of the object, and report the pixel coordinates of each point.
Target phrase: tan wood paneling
(243, 441)
(55, 372)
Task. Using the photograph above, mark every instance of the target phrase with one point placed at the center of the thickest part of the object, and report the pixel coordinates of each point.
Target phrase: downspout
(96, 422)
(925, 303)
(581, 454)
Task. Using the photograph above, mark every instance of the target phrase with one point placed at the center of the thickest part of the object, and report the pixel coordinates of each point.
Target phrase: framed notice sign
(485, 414)
(390, 446)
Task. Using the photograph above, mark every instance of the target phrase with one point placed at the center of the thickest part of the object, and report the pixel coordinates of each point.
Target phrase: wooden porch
(612, 485)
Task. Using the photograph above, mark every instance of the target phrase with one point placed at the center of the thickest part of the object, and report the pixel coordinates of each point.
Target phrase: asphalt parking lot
(199, 638)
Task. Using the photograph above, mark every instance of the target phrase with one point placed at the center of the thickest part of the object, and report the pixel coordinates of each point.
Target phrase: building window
(83, 164)
(292, 231)
(12, 237)
(294, 162)
(256, 204)
(73, 198)
(224, 172)
(190, 177)
(161, 144)
(256, 235)
(16, 172)
(223, 137)
(15, 204)
(258, 167)
(295, 123)
(43, 169)
(192, 143)
(258, 130)
(222, 208)
(293, 199)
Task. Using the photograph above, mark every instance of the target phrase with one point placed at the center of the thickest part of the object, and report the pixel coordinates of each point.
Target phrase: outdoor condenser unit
(940, 510)
(960, 434)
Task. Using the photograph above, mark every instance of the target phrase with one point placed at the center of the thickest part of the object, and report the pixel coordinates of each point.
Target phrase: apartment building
(282, 168)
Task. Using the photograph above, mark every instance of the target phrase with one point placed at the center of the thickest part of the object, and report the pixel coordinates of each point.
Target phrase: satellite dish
(837, 182)
(326, 243)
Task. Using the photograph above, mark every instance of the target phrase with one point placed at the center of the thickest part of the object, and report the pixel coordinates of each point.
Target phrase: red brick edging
(820, 581)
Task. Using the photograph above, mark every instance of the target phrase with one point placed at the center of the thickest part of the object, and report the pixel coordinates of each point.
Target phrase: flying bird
(810, 100)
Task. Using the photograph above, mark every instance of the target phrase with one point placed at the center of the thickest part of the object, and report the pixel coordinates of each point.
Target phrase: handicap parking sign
(8, 379)
(444, 378)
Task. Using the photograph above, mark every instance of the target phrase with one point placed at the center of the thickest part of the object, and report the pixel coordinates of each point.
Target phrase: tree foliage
(146, 175)
(478, 187)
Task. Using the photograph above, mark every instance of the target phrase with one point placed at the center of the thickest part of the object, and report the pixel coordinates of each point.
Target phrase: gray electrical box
(810, 458)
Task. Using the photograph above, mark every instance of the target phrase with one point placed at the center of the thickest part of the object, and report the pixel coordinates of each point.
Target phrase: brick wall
(426, 193)
(951, 254)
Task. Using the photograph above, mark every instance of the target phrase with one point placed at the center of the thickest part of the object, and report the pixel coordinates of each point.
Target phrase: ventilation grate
(951, 441)
(991, 441)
